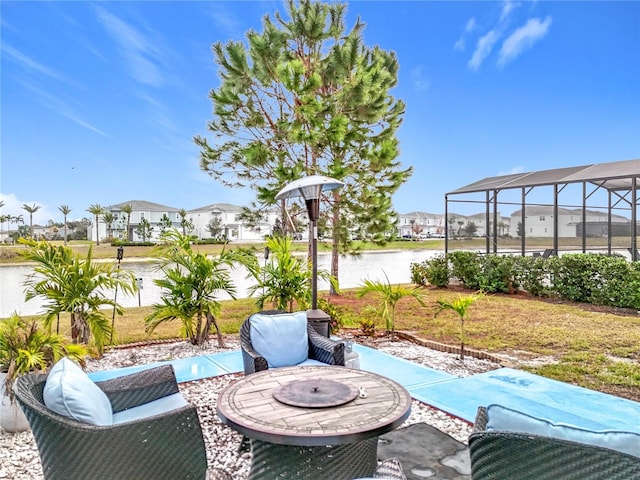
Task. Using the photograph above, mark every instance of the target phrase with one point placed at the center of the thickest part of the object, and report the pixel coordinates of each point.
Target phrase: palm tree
(460, 306)
(96, 209)
(76, 286)
(108, 218)
(390, 296)
(286, 280)
(191, 283)
(185, 224)
(31, 209)
(128, 209)
(65, 211)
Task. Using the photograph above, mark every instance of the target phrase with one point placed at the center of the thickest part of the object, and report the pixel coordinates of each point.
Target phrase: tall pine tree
(305, 97)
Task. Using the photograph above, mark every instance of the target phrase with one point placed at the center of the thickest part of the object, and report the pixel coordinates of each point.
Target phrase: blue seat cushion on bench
(505, 419)
(281, 339)
(156, 407)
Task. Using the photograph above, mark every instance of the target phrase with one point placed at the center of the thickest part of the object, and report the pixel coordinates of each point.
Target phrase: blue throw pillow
(281, 339)
(70, 392)
(506, 419)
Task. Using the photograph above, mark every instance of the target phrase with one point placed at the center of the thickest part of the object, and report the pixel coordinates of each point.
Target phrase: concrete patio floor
(460, 397)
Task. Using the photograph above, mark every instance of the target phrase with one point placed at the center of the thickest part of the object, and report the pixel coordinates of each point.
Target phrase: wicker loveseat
(165, 445)
(320, 348)
(511, 455)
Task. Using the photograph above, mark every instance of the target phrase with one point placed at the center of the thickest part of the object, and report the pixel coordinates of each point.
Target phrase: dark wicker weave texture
(499, 455)
(168, 446)
(320, 348)
(341, 462)
(390, 469)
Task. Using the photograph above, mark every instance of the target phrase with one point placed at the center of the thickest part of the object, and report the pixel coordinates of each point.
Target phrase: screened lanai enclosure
(589, 208)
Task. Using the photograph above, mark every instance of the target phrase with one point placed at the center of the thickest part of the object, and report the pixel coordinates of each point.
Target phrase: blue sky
(101, 100)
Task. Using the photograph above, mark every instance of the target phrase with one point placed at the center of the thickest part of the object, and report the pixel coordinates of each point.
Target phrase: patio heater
(310, 189)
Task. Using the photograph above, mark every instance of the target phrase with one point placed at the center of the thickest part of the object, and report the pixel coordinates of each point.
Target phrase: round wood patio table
(292, 442)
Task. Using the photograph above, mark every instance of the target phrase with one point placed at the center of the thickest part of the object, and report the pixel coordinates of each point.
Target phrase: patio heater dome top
(309, 187)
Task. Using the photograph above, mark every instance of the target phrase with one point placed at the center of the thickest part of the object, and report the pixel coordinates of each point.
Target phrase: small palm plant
(26, 347)
(285, 280)
(77, 286)
(460, 305)
(190, 287)
(390, 296)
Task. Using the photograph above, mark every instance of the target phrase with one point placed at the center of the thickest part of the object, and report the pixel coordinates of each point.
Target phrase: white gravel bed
(19, 458)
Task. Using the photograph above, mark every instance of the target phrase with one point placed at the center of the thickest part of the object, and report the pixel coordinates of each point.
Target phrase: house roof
(144, 206)
(223, 207)
(612, 176)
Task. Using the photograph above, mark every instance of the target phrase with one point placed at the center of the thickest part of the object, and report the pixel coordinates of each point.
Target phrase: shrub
(466, 268)
(434, 272)
(533, 275)
(497, 274)
(336, 322)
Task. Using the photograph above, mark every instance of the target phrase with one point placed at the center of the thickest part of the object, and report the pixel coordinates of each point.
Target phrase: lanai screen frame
(620, 179)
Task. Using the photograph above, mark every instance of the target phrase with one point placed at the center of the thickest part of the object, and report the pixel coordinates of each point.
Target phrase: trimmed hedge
(578, 277)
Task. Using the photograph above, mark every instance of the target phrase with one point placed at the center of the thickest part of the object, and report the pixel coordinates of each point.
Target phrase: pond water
(353, 271)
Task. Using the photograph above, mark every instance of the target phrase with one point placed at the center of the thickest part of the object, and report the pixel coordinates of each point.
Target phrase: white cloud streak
(420, 83)
(32, 66)
(523, 39)
(507, 8)
(469, 28)
(483, 49)
(138, 51)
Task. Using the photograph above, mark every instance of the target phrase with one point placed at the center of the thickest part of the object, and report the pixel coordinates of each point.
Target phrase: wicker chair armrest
(253, 361)
(324, 349)
(140, 387)
(502, 455)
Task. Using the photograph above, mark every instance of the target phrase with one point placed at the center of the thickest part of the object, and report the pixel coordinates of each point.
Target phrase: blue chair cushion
(146, 410)
(281, 339)
(70, 392)
(506, 419)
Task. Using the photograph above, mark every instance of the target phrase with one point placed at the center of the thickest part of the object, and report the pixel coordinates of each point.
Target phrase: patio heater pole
(310, 189)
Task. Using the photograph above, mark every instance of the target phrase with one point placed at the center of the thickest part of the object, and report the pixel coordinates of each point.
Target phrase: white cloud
(483, 49)
(13, 206)
(523, 38)
(513, 171)
(61, 107)
(507, 8)
(138, 51)
(417, 78)
(31, 65)
(468, 28)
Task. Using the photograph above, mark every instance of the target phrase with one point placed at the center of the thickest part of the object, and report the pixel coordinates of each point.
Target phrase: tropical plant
(285, 280)
(307, 96)
(65, 210)
(185, 224)
(390, 295)
(191, 284)
(31, 209)
(109, 218)
(460, 305)
(96, 210)
(144, 229)
(215, 228)
(128, 209)
(75, 285)
(26, 347)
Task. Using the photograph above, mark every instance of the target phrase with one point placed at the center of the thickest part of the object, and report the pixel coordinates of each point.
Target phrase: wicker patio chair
(501, 455)
(168, 445)
(321, 348)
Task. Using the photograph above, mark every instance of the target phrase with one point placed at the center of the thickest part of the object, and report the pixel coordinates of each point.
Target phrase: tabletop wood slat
(248, 405)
